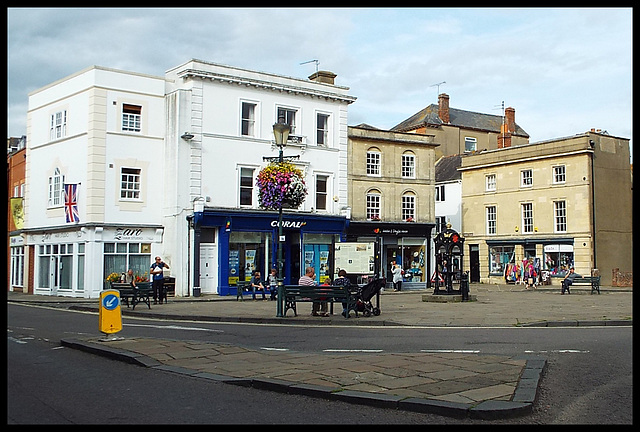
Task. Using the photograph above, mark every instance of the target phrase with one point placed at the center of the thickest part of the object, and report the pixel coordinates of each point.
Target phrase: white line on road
(458, 351)
(561, 351)
(353, 350)
(274, 349)
(175, 327)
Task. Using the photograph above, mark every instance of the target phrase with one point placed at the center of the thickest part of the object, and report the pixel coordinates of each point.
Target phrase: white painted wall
(209, 164)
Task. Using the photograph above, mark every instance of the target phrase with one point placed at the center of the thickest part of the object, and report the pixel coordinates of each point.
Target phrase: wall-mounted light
(516, 229)
(187, 136)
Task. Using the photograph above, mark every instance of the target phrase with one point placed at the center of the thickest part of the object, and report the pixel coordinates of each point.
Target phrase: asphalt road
(588, 378)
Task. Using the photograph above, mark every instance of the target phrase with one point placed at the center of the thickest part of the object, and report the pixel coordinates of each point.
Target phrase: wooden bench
(134, 295)
(592, 281)
(241, 286)
(304, 293)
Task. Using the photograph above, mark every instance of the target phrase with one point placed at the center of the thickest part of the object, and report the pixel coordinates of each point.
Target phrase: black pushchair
(366, 293)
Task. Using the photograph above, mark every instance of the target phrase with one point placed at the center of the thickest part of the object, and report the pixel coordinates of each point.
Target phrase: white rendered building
(167, 166)
(220, 129)
(103, 131)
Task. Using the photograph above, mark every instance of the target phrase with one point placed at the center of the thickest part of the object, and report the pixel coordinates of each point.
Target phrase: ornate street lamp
(281, 133)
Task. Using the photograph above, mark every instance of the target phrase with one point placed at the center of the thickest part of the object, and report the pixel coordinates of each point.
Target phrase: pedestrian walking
(397, 277)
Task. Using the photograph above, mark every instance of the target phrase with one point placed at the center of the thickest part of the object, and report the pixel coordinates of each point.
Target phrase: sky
(563, 70)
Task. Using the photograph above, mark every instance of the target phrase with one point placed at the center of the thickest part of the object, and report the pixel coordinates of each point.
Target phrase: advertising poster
(234, 267)
(250, 263)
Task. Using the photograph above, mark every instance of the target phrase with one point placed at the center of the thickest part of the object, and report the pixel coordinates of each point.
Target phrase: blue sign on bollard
(110, 316)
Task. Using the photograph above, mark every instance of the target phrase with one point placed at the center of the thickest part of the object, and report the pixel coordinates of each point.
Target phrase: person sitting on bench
(568, 280)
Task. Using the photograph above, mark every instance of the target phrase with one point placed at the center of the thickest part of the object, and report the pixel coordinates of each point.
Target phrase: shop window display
(246, 255)
(413, 263)
(558, 263)
(499, 258)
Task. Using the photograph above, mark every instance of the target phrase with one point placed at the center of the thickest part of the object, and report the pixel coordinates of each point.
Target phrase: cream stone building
(390, 190)
(460, 131)
(562, 202)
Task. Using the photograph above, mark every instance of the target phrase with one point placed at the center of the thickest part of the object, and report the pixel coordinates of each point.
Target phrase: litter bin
(196, 291)
(464, 286)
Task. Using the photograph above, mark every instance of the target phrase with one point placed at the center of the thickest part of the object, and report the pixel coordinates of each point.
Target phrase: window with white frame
(248, 119)
(560, 216)
(17, 266)
(321, 192)
(373, 163)
(81, 266)
(58, 128)
(119, 257)
(373, 205)
(130, 183)
(490, 182)
(18, 190)
(441, 223)
(409, 207)
(246, 186)
(439, 193)
(526, 178)
(131, 117)
(288, 115)
(55, 266)
(559, 174)
(56, 193)
(527, 217)
(470, 144)
(492, 219)
(408, 165)
(322, 129)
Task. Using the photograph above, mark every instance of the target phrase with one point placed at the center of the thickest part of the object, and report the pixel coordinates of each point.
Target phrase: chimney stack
(510, 119)
(443, 107)
(504, 139)
(325, 77)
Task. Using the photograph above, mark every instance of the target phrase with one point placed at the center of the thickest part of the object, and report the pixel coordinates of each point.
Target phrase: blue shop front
(230, 245)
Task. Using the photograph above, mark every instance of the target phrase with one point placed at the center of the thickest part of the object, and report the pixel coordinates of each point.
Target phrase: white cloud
(563, 70)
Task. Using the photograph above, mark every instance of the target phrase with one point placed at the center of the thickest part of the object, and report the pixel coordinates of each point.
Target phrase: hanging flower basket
(281, 185)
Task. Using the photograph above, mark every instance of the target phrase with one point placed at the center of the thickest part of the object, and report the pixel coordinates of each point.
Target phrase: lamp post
(281, 132)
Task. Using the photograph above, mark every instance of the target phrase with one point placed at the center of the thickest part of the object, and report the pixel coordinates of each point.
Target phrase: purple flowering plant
(280, 184)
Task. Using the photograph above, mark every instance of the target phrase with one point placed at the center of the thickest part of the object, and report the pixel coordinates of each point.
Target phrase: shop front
(246, 242)
(406, 243)
(76, 262)
(551, 258)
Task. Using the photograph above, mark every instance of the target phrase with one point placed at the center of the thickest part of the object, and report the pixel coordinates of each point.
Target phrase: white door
(208, 268)
(54, 274)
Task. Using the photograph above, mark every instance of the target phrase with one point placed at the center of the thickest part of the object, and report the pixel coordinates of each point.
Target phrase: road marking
(353, 350)
(458, 351)
(16, 340)
(274, 349)
(560, 351)
(176, 327)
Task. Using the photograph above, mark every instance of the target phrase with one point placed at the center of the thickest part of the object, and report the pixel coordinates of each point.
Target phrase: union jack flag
(71, 203)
